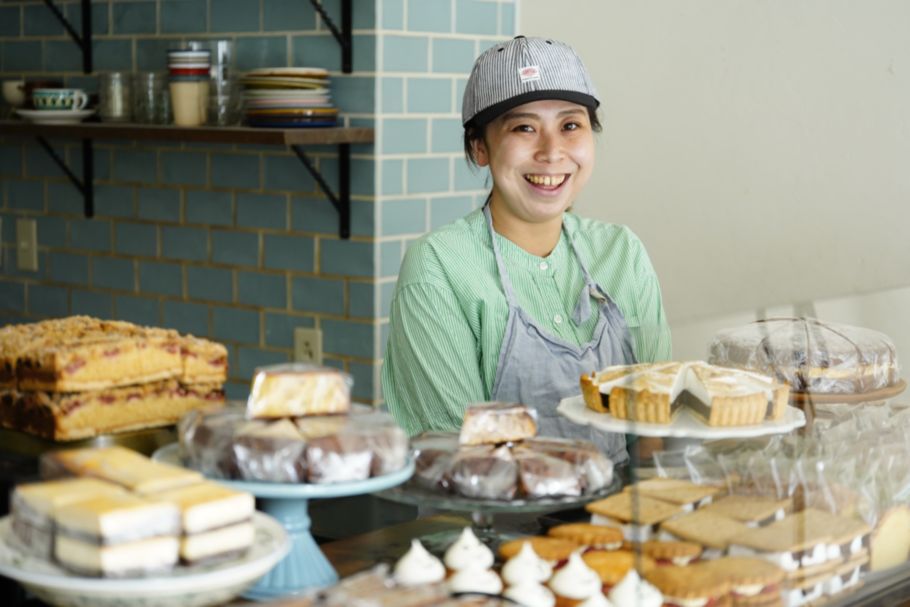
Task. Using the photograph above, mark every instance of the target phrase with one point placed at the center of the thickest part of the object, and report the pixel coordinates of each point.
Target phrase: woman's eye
(523, 128)
(571, 126)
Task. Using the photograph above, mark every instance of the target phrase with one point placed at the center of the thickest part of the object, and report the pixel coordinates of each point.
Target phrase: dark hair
(477, 132)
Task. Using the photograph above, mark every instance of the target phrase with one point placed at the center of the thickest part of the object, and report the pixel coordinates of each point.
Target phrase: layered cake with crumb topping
(77, 377)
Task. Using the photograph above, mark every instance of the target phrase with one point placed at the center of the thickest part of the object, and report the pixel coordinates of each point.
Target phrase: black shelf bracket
(86, 185)
(84, 40)
(341, 202)
(343, 36)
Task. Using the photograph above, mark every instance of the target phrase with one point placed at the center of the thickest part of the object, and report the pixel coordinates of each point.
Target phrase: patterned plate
(196, 586)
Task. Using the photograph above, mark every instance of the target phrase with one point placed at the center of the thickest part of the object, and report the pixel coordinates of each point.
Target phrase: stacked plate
(288, 97)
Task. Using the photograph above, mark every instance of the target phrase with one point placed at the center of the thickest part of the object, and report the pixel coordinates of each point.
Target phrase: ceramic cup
(14, 92)
(59, 99)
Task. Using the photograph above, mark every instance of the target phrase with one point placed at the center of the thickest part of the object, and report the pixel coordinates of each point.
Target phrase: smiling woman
(518, 299)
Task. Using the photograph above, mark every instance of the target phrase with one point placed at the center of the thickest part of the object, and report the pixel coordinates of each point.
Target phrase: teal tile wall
(140, 310)
(237, 242)
(430, 16)
(134, 18)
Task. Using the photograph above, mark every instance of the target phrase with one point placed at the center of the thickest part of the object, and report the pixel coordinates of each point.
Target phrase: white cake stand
(683, 425)
(305, 566)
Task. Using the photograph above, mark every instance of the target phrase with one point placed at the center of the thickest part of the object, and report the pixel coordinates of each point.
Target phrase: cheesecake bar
(32, 507)
(216, 521)
(497, 422)
(121, 466)
(293, 390)
(117, 536)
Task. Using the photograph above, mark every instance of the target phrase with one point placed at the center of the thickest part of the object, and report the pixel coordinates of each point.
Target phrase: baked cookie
(547, 548)
(602, 537)
(613, 565)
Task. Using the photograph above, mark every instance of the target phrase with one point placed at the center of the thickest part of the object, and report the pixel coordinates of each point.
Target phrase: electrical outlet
(308, 345)
(27, 245)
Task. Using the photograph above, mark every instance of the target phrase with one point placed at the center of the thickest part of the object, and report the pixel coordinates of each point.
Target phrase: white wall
(760, 148)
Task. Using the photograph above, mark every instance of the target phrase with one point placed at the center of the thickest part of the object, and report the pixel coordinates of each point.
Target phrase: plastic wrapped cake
(810, 355)
(508, 464)
(315, 449)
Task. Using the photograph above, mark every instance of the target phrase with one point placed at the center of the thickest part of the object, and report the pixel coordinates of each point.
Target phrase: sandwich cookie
(752, 510)
(712, 531)
(551, 549)
(602, 537)
(694, 586)
(685, 494)
(614, 565)
(637, 515)
(753, 582)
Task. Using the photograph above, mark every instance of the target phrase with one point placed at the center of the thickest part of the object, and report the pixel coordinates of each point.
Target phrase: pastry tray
(684, 425)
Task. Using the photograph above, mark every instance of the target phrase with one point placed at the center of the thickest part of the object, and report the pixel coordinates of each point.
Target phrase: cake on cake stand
(305, 566)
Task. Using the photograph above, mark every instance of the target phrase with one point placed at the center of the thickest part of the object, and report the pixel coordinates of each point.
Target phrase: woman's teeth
(546, 180)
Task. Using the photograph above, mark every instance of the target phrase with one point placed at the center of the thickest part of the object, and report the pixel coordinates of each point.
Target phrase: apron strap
(503, 275)
(582, 310)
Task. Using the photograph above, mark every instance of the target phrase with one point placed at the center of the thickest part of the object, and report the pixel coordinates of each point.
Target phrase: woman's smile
(547, 182)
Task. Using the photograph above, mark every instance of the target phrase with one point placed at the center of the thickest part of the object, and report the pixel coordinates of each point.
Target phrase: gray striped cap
(524, 70)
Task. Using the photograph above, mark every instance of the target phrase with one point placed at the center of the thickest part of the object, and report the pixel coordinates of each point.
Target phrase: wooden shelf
(296, 139)
(204, 134)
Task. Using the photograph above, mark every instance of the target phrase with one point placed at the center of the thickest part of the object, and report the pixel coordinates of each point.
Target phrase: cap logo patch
(529, 73)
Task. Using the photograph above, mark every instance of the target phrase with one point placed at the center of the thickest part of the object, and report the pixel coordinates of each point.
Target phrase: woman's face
(540, 155)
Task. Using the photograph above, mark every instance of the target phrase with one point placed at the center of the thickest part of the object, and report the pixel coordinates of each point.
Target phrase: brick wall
(236, 242)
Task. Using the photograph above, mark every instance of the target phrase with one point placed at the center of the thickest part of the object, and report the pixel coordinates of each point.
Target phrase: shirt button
(557, 319)
(544, 265)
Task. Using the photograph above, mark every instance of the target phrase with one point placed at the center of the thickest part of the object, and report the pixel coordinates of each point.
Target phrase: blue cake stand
(305, 566)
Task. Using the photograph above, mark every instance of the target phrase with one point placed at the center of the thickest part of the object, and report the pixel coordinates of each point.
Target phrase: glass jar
(114, 97)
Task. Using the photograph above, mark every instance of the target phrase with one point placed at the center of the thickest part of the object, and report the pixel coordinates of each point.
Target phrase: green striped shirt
(449, 312)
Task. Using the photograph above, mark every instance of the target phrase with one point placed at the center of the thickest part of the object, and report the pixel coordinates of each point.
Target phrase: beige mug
(189, 102)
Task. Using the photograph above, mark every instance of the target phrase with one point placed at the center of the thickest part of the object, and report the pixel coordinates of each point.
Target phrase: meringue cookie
(526, 566)
(468, 552)
(418, 566)
(597, 600)
(576, 580)
(530, 594)
(475, 579)
(632, 590)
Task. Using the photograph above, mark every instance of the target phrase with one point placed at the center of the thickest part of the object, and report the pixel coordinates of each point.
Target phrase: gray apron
(539, 370)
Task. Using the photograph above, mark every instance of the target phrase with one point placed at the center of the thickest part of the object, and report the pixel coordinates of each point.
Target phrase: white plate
(310, 72)
(184, 587)
(684, 425)
(55, 116)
